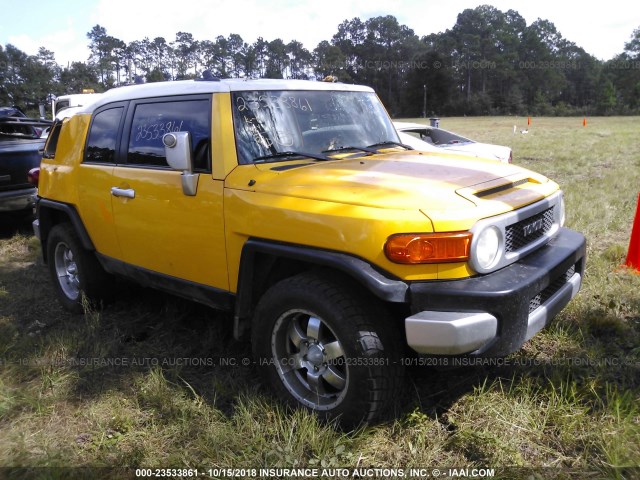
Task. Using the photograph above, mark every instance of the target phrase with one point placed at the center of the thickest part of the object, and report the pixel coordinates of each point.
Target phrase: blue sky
(600, 28)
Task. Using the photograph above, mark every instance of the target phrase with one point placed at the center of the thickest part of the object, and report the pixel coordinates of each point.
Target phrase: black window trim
(121, 158)
(51, 144)
(117, 151)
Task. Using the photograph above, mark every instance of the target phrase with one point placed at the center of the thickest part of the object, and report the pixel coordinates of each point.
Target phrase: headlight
(488, 247)
(562, 211)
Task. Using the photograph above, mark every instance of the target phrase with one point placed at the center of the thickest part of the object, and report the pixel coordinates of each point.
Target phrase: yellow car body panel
(224, 147)
(95, 207)
(354, 205)
(58, 175)
(316, 223)
(136, 231)
(165, 231)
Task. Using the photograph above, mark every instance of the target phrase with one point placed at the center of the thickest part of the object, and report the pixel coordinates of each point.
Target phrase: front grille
(521, 234)
(544, 295)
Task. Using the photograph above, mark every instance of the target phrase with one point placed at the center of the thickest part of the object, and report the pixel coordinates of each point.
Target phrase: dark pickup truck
(21, 144)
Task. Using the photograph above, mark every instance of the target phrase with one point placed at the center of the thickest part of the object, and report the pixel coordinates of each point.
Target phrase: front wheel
(322, 346)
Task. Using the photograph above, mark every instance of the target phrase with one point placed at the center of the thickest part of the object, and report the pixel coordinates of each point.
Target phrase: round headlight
(562, 211)
(488, 247)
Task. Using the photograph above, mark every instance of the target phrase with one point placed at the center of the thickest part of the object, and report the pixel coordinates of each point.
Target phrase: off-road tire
(75, 271)
(343, 328)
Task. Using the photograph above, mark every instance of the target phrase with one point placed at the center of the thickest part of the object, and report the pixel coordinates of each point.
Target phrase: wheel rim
(310, 360)
(67, 271)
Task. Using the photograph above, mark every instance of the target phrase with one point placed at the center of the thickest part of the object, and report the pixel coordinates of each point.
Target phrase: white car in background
(432, 139)
(72, 103)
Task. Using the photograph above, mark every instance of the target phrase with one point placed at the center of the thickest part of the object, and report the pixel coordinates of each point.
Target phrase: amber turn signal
(412, 248)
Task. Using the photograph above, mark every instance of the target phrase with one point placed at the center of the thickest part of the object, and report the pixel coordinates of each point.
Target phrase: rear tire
(324, 345)
(75, 271)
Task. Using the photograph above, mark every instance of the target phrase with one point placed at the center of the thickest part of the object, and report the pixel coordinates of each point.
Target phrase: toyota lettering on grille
(533, 227)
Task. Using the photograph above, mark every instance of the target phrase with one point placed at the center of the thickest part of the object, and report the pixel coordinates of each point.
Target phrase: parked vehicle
(339, 252)
(63, 102)
(432, 139)
(20, 151)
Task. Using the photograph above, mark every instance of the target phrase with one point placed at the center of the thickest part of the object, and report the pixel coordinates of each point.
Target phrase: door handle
(123, 192)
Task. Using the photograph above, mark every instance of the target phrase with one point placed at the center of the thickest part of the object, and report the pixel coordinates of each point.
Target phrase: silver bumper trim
(449, 333)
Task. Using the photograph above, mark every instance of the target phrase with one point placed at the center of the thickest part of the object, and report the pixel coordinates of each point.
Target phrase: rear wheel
(74, 270)
(324, 347)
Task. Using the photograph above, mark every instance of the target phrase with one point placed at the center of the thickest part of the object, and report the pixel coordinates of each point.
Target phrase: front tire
(75, 271)
(323, 346)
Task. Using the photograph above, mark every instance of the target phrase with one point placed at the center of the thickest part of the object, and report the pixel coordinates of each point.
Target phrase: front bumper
(494, 314)
(16, 200)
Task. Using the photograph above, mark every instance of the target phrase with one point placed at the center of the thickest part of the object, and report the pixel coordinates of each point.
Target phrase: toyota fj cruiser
(294, 206)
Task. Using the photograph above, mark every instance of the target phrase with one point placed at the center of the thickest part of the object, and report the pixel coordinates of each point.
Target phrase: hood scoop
(513, 190)
(502, 188)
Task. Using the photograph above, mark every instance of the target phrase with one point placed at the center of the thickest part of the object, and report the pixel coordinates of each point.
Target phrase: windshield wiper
(390, 142)
(277, 155)
(340, 149)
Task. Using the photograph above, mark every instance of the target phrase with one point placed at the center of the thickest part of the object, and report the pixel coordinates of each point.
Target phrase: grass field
(566, 406)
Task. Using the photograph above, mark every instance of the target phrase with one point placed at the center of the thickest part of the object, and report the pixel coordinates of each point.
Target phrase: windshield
(269, 123)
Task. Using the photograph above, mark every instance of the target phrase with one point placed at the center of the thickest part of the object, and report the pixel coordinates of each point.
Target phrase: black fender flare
(381, 284)
(47, 220)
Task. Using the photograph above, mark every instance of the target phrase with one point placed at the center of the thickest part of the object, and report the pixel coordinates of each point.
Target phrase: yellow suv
(343, 254)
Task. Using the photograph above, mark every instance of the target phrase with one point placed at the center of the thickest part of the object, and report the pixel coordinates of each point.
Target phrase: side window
(52, 140)
(101, 145)
(61, 105)
(152, 120)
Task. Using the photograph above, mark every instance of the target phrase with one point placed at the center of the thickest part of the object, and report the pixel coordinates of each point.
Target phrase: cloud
(312, 22)
(307, 22)
(64, 43)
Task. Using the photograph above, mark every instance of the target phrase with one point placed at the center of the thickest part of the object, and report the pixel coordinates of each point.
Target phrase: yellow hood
(446, 188)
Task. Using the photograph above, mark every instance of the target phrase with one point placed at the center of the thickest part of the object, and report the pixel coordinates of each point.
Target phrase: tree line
(489, 62)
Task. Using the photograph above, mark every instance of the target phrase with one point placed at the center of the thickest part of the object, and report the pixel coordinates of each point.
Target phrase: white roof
(69, 112)
(190, 87)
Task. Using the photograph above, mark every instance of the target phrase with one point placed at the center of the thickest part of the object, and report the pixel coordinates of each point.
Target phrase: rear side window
(152, 120)
(52, 140)
(101, 145)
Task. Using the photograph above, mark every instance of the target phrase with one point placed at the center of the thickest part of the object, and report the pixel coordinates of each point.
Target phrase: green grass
(567, 402)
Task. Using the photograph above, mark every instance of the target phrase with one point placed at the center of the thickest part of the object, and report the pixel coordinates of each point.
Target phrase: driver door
(159, 228)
